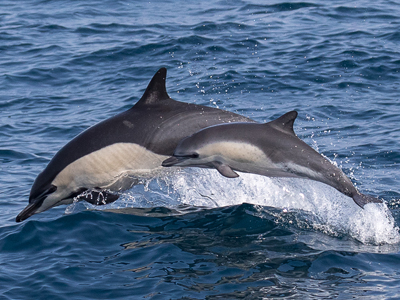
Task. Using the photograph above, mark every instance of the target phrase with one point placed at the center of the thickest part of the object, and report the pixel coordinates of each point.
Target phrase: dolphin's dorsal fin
(156, 90)
(285, 122)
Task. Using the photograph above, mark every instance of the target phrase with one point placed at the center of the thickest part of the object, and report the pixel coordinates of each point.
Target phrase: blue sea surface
(193, 234)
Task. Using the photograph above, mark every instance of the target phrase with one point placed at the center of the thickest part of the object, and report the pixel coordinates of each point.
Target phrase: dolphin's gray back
(158, 128)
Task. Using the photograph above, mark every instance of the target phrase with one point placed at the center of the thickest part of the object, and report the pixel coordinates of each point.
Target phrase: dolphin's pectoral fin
(362, 199)
(225, 170)
(98, 197)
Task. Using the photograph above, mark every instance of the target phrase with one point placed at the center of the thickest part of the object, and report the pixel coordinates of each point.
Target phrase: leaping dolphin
(271, 149)
(113, 154)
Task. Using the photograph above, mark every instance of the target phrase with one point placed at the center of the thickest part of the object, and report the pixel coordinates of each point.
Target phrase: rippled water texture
(192, 234)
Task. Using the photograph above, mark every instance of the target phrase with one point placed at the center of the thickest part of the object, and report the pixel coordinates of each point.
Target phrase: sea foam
(320, 206)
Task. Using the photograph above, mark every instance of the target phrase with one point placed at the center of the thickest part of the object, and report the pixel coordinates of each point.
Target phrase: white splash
(332, 212)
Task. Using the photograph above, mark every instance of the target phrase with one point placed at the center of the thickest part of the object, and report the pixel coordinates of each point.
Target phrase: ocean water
(192, 234)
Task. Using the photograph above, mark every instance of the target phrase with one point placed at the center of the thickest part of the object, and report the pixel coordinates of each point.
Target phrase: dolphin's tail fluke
(362, 199)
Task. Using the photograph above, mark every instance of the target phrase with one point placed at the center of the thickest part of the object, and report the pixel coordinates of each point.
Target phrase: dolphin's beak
(28, 211)
(172, 161)
(178, 159)
(35, 204)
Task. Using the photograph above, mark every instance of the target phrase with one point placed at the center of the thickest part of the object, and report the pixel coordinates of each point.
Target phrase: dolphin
(271, 149)
(114, 154)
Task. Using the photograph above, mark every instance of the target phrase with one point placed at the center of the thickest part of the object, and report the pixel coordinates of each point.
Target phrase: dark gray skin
(240, 146)
(156, 122)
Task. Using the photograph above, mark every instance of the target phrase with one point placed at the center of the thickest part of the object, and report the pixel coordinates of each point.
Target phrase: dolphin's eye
(52, 189)
(194, 155)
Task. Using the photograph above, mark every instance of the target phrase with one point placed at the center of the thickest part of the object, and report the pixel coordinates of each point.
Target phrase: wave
(312, 204)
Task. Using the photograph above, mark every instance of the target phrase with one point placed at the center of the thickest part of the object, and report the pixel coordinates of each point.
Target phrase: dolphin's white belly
(236, 153)
(247, 157)
(113, 167)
